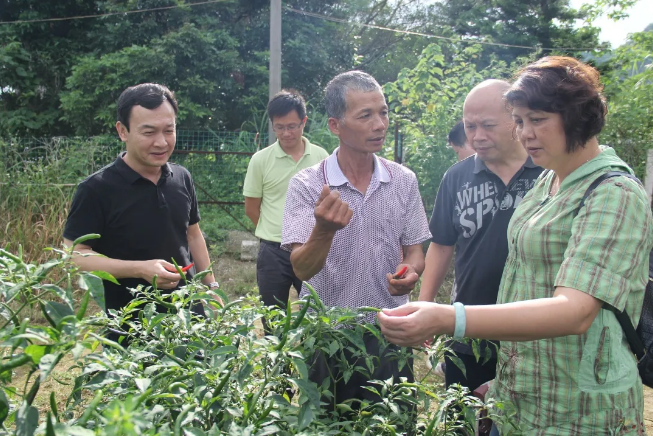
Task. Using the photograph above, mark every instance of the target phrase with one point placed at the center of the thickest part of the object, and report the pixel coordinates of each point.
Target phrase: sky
(640, 16)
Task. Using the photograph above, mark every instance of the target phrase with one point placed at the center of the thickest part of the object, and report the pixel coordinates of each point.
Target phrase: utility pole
(275, 56)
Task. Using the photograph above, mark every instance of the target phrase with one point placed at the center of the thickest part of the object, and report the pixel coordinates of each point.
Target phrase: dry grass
(32, 218)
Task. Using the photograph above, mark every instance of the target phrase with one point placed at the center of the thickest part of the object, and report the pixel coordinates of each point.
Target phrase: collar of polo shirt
(334, 176)
(479, 165)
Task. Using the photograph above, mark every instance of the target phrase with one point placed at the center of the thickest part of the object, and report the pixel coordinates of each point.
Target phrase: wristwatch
(213, 285)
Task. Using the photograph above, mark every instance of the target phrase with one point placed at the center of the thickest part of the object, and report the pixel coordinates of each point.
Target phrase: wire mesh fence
(216, 160)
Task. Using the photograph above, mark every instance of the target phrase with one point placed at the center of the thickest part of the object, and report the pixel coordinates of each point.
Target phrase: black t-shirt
(137, 220)
(472, 211)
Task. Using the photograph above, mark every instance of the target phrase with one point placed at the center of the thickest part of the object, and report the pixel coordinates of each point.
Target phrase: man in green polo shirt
(265, 189)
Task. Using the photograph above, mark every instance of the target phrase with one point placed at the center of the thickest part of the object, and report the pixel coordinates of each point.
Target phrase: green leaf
(302, 369)
(4, 406)
(306, 416)
(67, 430)
(36, 352)
(459, 363)
(94, 284)
(43, 269)
(57, 311)
(355, 338)
(194, 432)
(488, 354)
(27, 420)
(143, 383)
(64, 294)
(105, 276)
(47, 364)
(476, 349)
(309, 389)
(49, 429)
(268, 430)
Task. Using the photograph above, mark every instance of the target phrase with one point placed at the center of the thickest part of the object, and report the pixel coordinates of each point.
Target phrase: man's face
(365, 122)
(151, 137)
(488, 125)
(289, 128)
(462, 152)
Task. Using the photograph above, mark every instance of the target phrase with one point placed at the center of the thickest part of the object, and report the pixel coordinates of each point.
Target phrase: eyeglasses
(289, 127)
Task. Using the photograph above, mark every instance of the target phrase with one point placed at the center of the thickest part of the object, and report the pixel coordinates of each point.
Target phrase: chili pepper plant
(178, 373)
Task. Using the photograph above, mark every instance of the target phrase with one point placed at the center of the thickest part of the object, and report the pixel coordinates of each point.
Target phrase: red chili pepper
(400, 274)
(184, 269)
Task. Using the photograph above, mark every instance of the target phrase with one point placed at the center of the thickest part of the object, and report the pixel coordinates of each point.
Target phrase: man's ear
(334, 126)
(122, 131)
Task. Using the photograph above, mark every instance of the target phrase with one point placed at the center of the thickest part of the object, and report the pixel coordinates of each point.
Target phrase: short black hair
(284, 102)
(456, 135)
(566, 86)
(148, 95)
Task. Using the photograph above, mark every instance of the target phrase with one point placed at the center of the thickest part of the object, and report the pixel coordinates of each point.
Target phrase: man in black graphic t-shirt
(475, 202)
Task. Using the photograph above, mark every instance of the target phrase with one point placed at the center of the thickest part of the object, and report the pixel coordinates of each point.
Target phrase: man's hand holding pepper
(165, 279)
(402, 282)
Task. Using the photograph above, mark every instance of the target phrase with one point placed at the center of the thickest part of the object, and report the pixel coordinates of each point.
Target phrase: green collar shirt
(267, 178)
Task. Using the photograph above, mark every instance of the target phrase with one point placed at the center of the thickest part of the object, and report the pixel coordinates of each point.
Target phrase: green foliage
(629, 91)
(187, 375)
(427, 101)
(544, 23)
(192, 61)
(63, 77)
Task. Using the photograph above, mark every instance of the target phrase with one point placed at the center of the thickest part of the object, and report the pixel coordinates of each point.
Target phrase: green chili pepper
(286, 327)
(83, 305)
(302, 313)
(316, 297)
(15, 362)
(90, 409)
(46, 316)
(368, 309)
(53, 406)
(5, 253)
(222, 384)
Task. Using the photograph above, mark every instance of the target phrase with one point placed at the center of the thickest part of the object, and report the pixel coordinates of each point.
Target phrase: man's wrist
(319, 233)
(213, 285)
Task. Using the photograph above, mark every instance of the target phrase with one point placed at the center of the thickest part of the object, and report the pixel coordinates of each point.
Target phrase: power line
(427, 35)
(107, 14)
(309, 14)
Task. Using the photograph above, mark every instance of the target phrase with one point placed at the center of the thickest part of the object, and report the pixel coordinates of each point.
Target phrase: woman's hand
(414, 323)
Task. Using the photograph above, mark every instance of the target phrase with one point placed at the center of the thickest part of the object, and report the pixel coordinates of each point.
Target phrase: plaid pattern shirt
(582, 384)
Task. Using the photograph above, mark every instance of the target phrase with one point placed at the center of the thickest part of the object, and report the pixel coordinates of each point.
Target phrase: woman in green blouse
(564, 363)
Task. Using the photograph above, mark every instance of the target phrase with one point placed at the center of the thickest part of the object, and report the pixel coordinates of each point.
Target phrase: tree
(63, 77)
(35, 59)
(629, 92)
(427, 100)
(543, 23)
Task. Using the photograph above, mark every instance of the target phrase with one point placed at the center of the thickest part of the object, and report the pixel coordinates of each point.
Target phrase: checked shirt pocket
(607, 365)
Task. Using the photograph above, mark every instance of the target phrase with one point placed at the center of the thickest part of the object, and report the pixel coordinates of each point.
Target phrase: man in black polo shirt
(475, 202)
(144, 208)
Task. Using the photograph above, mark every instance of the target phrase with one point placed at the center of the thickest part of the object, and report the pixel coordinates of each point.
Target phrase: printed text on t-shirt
(473, 202)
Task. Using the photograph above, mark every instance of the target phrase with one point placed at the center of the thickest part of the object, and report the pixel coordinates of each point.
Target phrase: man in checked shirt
(354, 220)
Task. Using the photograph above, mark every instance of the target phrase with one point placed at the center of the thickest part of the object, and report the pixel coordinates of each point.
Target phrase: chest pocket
(607, 365)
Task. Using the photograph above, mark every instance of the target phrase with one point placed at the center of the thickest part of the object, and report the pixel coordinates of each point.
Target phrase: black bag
(640, 339)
